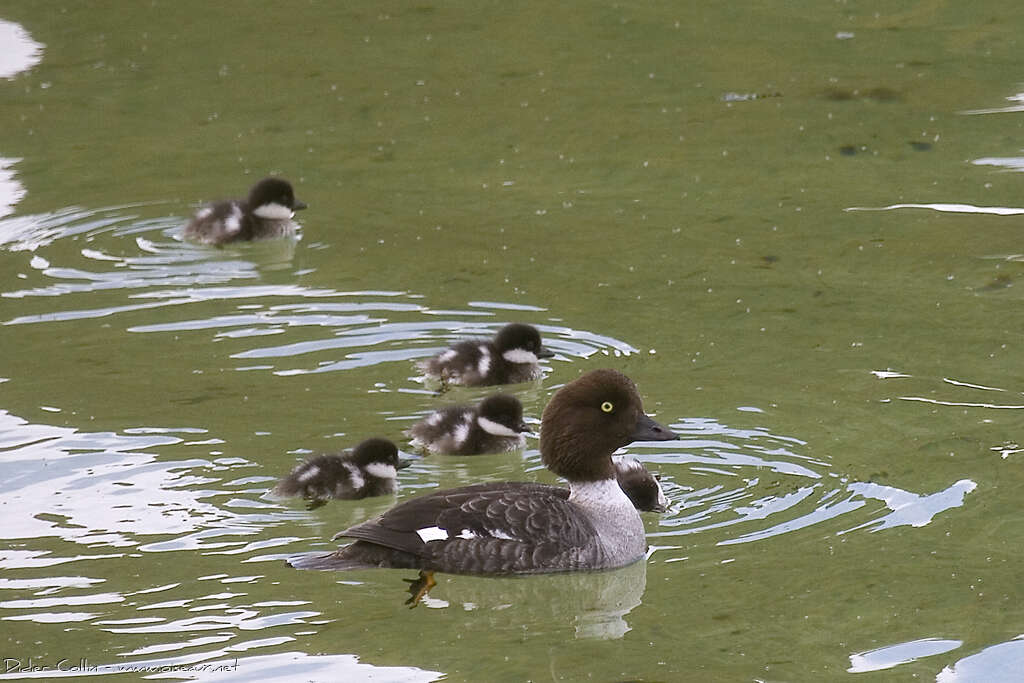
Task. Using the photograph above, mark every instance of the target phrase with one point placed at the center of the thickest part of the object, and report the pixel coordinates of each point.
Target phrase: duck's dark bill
(648, 430)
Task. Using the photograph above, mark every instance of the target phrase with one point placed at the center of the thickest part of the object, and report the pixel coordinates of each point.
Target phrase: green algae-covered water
(796, 226)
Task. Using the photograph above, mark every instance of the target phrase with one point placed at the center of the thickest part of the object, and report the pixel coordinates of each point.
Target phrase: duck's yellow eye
(607, 406)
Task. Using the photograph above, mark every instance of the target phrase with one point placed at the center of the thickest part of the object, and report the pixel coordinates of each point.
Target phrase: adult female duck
(518, 527)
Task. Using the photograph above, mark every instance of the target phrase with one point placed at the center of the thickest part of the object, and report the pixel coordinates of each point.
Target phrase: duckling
(267, 212)
(510, 358)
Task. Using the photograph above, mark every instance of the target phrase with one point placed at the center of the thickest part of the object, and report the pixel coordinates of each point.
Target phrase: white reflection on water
(960, 387)
(1009, 163)
(11, 191)
(1019, 98)
(54, 476)
(596, 604)
(340, 329)
(946, 208)
(20, 52)
(906, 508)
(1002, 662)
(34, 231)
(962, 404)
(757, 479)
(891, 656)
(569, 342)
(909, 509)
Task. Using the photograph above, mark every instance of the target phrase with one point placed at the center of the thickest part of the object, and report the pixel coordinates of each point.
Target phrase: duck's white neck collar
(604, 493)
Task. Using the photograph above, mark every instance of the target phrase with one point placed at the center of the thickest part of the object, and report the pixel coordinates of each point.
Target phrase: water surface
(794, 225)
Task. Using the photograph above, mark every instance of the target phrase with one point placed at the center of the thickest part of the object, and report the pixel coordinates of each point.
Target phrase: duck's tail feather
(358, 555)
(330, 562)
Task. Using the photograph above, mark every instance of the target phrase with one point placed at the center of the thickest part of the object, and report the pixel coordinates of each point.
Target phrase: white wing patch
(308, 474)
(233, 223)
(203, 214)
(447, 356)
(498, 533)
(460, 433)
(355, 476)
(273, 211)
(469, 534)
(484, 364)
(380, 470)
(432, 533)
(492, 427)
(519, 356)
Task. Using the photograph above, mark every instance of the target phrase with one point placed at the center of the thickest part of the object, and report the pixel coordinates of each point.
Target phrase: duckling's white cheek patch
(492, 427)
(432, 533)
(446, 356)
(203, 214)
(274, 212)
(519, 356)
(380, 470)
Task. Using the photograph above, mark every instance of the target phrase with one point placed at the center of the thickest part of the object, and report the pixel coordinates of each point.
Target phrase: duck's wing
(496, 528)
(320, 477)
(463, 363)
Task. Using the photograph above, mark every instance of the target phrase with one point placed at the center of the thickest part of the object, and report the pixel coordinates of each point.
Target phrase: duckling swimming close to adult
(640, 486)
(494, 426)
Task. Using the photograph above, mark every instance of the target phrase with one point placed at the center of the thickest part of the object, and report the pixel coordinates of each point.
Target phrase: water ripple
(959, 389)
(338, 330)
(747, 485)
(54, 475)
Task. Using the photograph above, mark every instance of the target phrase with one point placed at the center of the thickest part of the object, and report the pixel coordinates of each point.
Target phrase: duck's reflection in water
(595, 603)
